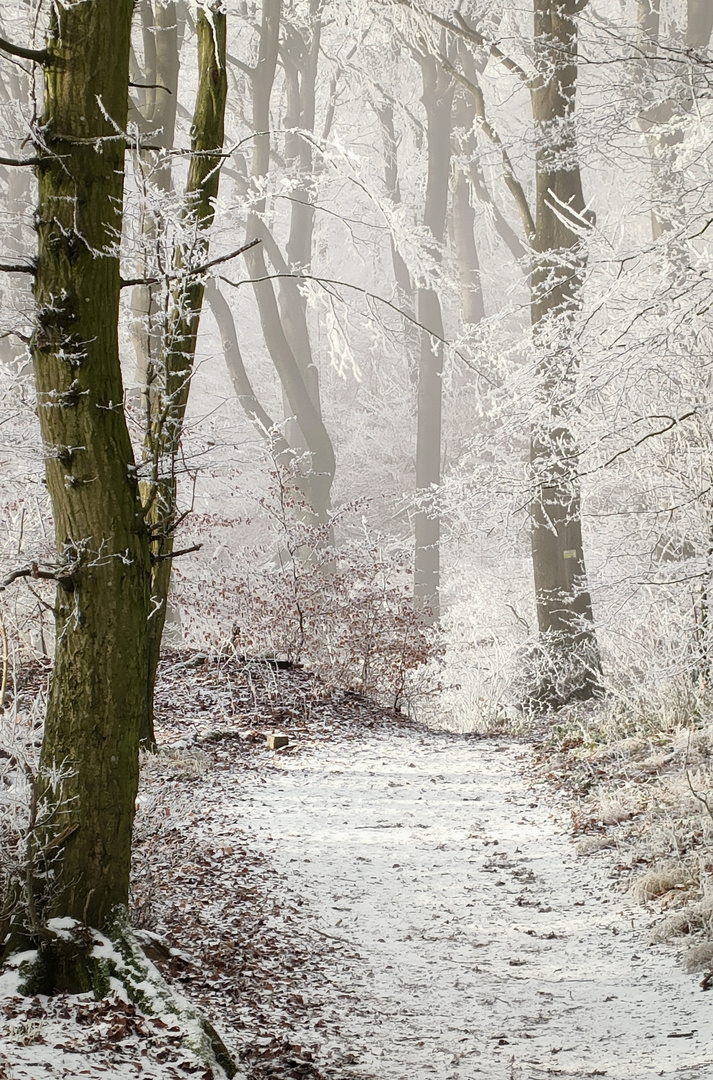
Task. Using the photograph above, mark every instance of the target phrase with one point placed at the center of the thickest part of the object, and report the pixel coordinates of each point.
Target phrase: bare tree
(283, 318)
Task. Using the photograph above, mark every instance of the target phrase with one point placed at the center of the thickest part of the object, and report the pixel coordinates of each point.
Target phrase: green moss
(74, 960)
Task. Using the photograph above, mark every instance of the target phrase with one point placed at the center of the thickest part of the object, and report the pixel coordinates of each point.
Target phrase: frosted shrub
(16, 777)
(346, 612)
(26, 870)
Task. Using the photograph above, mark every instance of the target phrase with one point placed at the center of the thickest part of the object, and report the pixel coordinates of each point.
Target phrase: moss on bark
(170, 396)
(97, 698)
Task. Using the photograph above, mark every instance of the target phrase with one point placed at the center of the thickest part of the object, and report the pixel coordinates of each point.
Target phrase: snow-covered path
(476, 943)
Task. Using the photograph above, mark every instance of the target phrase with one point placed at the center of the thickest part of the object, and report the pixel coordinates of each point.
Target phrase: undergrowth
(344, 609)
(640, 771)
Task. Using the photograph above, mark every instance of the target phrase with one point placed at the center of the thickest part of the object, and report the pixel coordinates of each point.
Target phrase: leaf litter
(375, 900)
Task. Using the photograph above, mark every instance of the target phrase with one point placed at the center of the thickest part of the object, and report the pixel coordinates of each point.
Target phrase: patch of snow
(64, 927)
(474, 940)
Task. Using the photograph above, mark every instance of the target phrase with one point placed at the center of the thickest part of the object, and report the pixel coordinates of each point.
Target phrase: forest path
(475, 941)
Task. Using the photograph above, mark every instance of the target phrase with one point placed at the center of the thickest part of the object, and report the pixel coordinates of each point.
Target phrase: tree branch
(245, 68)
(465, 31)
(20, 161)
(150, 86)
(16, 268)
(370, 296)
(513, 184)
(32, 571)
(39, 56)
(175, 554)
(126, 282)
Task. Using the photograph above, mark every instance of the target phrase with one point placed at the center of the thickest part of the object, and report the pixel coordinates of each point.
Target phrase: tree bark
(437, 98)
(98, 698)
(285, 331)
(175, 368)
(657, 118)
(564, 611)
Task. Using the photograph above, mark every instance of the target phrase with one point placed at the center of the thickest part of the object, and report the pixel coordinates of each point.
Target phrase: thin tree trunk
(404, 284)
(168, 405)
(657, 120)
(564, 610)
(463, 216)
(282, 451)
(157, 109)
(297, 376)
(437, 98)
(97, 699)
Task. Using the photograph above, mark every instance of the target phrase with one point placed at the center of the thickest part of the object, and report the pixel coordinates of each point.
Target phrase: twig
(59, 840)
(150, 86)
(176, 554)
(333, 937)
(16, 268)
(323, 281)
(3, 685)
(697, 795)
(126, 282)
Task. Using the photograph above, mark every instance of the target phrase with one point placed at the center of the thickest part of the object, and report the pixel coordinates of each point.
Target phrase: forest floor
(379, 901)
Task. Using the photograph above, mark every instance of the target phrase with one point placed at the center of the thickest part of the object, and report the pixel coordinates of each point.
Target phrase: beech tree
(553, 223)
(438, 90)
(169, 370)
(564, 607)
(113, 532)
(304, 446)
(98, 699)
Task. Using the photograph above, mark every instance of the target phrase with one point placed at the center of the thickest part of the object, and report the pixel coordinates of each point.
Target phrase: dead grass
(699, 958)
(659, 882)
(639, 776)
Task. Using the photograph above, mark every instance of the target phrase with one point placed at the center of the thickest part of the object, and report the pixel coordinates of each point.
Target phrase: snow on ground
(475, 943)
(74, 1036)
(376, 902)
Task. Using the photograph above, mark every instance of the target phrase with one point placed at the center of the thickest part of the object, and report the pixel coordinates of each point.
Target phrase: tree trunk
(564, 610)
(157, 112)
(657, 120)
(175, 368)
(437, 99)
(463, 216)
(98, 694)
(402, 276)
(290, 355)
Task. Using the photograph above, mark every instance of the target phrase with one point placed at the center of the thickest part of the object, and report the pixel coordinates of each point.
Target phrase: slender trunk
(97, 699)
(437, 99)
(283, 453)
(658, 119)
(168, 405)
(463, 216)
(404, 284)
(290, 352)
(300, 62)
(564, 609)
(157, 110)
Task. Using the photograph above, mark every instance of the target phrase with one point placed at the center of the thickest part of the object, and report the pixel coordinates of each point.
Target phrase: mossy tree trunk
(97, 701)
(155, 109)
(170, 380)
